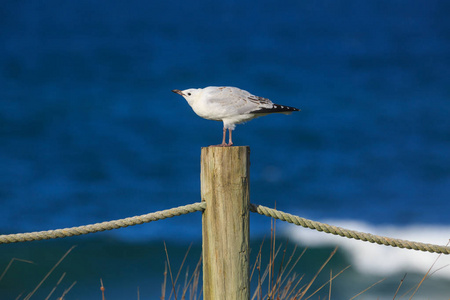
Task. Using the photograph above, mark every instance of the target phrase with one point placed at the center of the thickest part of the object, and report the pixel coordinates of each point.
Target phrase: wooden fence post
(225, 188)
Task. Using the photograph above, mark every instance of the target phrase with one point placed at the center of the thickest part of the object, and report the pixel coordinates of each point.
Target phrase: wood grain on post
(225, 189)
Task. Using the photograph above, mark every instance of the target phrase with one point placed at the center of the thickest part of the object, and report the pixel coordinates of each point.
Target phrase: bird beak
(178, 92)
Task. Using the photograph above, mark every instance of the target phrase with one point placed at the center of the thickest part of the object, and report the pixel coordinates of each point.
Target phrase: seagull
(230, 105)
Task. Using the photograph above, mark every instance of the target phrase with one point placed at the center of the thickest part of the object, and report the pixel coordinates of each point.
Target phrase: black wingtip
(276, 108)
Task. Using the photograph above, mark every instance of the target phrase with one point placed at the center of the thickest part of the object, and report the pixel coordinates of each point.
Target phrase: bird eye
(189, 94)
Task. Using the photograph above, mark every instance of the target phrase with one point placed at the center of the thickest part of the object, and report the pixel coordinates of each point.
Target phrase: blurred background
(90, 131)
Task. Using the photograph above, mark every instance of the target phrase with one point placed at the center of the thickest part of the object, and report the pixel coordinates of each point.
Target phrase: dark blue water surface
(90, 130)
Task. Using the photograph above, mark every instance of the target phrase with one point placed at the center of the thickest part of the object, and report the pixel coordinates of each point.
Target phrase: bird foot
(223, 145)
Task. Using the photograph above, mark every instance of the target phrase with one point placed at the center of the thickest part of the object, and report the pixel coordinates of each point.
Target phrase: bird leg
(224, 144)
(230, 142)
(223, 138)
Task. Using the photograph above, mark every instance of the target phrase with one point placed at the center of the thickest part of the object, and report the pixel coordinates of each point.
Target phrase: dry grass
(30, 294)
(191, 288)
(274, 280)
(10, 264)
(416, 287)
(277, 280)
(102, 289)
(282, 282)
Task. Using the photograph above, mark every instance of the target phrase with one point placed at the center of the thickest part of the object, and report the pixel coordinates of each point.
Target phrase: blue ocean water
(90, 130)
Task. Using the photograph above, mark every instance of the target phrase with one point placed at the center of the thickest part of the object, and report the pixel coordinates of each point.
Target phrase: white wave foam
(378, 259)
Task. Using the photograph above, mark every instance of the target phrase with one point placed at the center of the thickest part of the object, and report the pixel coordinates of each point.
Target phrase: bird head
(189, 94)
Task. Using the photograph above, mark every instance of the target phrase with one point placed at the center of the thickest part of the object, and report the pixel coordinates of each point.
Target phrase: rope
(115, 224)
(351, 234)
(200, 206)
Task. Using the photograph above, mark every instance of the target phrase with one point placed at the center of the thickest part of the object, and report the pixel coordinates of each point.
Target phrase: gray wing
(236, 101)
(260, 105)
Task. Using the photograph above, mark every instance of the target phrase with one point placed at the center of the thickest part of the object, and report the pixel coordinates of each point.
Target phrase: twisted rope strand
(115, 224)
(351, 234)
(200, 206)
